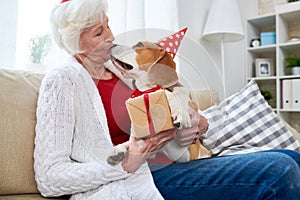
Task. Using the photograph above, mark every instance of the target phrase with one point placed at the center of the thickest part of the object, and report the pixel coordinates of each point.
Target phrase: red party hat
(63, 1)
(171, 43)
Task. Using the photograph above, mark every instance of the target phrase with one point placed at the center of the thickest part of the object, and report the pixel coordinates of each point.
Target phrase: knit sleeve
(56, 173)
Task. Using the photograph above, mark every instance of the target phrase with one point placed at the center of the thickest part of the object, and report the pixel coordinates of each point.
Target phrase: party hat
(171, 43)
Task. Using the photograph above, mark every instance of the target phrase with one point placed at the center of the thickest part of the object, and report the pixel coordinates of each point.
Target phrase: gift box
(149, 113)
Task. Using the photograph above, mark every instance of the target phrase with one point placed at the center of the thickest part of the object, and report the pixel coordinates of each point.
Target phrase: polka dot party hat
(171, 43)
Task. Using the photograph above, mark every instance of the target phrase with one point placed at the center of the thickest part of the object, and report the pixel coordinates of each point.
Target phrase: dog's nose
(115, 45)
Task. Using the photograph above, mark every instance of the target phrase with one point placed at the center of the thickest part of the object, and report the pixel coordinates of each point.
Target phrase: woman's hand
(186, 137)
(140, 149)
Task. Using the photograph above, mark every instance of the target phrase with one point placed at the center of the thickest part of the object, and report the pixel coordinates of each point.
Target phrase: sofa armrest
(295, 133)
(205, 98)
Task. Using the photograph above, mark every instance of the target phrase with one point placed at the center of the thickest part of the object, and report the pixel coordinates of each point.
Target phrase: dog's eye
(139, 44)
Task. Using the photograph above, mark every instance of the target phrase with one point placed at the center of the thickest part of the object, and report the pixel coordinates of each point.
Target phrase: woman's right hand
(140, 149)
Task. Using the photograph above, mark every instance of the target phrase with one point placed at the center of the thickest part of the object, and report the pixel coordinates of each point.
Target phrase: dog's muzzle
(121, 55)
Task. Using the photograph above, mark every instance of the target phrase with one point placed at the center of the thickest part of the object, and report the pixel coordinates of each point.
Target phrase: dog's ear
(167, 60)
(163, 72)
(147, 56)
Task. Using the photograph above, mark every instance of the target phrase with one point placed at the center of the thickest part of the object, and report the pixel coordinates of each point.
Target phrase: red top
(114, 93)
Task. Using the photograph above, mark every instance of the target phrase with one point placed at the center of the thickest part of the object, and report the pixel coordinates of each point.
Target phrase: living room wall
(205, 57)
(193, 15)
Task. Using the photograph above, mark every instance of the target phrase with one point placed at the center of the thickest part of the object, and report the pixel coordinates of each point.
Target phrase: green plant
(39, 46)
(266, 94)
(292, 61)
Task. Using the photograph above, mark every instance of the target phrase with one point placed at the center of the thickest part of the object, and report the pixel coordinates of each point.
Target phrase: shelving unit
(285, 22)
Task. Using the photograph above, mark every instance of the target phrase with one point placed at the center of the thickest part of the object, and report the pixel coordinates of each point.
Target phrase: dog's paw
(118, 154)
(116, 159)
(182, 121)
(177, 120)
(186, 120)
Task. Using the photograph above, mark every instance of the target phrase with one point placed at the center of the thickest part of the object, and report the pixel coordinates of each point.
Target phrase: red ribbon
(137, 93)
(63, 1)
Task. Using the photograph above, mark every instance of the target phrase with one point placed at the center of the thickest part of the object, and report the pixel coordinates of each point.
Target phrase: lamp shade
(223, 22)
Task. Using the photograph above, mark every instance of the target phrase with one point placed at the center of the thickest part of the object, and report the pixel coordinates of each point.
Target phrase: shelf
(289, 110)
(263, 20)
(292, 47)
(287, 9)
(263, 49)
(291, 16)
(263, 78)
(289, 77)
(290, 44)
(285, 22)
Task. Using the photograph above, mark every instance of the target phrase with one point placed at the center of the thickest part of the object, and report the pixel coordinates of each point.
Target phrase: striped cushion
(244, 122)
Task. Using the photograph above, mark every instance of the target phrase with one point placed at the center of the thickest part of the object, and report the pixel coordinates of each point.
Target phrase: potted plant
(293, 63)
(267, 95)
(39, 47)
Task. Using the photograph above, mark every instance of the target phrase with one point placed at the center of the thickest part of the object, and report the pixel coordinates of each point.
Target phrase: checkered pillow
(244, 122)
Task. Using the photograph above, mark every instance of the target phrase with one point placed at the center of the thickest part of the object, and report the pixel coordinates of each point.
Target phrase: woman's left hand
(186, 137)
(139, 150)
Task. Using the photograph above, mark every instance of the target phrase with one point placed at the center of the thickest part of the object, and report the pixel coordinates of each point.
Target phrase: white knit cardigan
(72, 142)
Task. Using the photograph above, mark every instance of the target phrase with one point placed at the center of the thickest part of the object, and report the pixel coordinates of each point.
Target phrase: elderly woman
(78, 126)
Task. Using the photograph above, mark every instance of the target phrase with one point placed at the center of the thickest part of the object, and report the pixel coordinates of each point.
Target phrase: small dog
(150, 65)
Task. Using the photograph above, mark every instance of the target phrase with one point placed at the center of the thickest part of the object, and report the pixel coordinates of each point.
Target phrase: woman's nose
(109, 35)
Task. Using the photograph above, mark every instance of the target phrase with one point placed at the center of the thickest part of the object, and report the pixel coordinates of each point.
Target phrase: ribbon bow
(137, 93)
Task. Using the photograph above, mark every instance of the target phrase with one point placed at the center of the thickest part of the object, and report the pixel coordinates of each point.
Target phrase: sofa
(18, 98)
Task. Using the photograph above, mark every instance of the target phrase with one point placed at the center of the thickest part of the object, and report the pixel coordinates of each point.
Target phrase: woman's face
(96, 42)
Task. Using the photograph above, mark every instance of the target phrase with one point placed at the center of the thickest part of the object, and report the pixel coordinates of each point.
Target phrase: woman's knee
(284, 175)
(293, 154)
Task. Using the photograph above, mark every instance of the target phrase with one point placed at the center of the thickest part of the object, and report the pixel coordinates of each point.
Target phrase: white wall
(8, 30)
(192, 13)
(196, 67)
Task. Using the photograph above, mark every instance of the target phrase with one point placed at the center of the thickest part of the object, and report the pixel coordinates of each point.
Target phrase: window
(33, 45)
(35, 49)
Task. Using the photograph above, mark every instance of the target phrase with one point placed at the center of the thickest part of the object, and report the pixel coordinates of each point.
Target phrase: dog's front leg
(179, 106)
(119, 153)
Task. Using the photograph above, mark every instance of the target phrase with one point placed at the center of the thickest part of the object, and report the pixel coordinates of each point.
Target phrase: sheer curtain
(130, 20)
(143, 15)
(128, 15)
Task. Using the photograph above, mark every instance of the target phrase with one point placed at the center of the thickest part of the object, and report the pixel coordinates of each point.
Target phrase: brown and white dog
(150, 65)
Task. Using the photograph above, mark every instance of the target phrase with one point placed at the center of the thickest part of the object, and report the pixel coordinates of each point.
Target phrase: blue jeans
(273, 174)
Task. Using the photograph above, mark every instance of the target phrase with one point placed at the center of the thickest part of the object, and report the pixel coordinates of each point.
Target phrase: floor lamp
(223, 24)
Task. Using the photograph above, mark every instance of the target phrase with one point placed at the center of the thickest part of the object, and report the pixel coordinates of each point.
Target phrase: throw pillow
(243, 123)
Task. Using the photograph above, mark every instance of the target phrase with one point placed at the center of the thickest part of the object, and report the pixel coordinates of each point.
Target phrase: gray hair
(70, 18)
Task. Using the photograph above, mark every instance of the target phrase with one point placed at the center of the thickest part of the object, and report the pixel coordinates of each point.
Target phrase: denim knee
(285, 183)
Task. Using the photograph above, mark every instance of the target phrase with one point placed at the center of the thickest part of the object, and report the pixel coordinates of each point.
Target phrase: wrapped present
(149, 112)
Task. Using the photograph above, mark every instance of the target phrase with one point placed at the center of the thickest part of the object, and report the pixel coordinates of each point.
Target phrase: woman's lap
(262, 175)
(293, 154)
